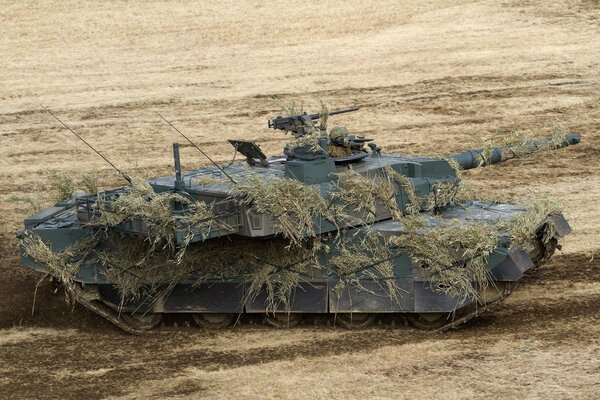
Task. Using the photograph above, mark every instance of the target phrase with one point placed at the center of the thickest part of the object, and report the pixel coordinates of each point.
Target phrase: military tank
(332, 227)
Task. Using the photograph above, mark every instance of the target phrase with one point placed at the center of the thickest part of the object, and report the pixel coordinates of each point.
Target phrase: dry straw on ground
(62, 183)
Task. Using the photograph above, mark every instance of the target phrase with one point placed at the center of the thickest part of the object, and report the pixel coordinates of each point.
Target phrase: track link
(88, 299)
(474, 312)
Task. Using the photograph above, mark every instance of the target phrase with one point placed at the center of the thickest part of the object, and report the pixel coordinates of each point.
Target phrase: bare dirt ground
(431, 77)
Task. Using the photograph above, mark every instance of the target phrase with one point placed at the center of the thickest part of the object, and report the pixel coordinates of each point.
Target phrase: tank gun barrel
(473, 158)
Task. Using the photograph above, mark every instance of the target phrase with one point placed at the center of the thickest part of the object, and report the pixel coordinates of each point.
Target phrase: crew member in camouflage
(339, 145)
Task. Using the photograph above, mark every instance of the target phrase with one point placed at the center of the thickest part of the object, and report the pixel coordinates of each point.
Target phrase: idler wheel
(543, 252)
(142, 322)
(213, 320)
(354, 320)
(549, 249)
(428, 321)
(282, 320)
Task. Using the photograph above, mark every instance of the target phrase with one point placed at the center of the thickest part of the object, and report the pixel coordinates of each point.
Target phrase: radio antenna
(127, 178)
(198, 148)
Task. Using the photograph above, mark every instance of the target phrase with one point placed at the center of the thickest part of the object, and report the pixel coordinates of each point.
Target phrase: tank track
(91, 301)
(475, 311)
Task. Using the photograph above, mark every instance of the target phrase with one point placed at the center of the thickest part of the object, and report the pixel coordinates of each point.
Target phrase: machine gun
(301, 124)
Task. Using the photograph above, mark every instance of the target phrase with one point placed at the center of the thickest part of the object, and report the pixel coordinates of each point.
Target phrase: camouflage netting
(358, 194)
(453, 256)
(371, 258)
(131, 265)
(309, 141)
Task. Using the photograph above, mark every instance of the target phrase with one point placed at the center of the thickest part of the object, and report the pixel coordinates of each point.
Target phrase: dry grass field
(430, 76)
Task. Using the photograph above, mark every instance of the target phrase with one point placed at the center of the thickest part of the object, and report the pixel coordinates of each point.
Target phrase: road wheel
(142, 322)
(354, 320)
(283, 319)
(493, 292)
(428, 321)
(542, 252)
(213, 321)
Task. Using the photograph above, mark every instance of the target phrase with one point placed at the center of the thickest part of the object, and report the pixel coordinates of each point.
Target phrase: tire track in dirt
(566, 268)
(130, 359)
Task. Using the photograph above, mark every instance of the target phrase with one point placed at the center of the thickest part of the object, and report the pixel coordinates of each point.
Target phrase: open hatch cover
(251, 151)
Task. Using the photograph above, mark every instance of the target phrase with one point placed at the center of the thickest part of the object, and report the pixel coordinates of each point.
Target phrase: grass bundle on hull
(524, 230)
(359, 194)
(368, 258)
(141, 273)
(63, 265)
(156, 212)
(441, 194)
(453, 255)
(293, 206)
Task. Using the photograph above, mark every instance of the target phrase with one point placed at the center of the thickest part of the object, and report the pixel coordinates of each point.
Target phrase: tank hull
(416, 293)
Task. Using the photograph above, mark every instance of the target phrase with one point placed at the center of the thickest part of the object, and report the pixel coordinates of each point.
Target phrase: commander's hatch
(251, 151)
